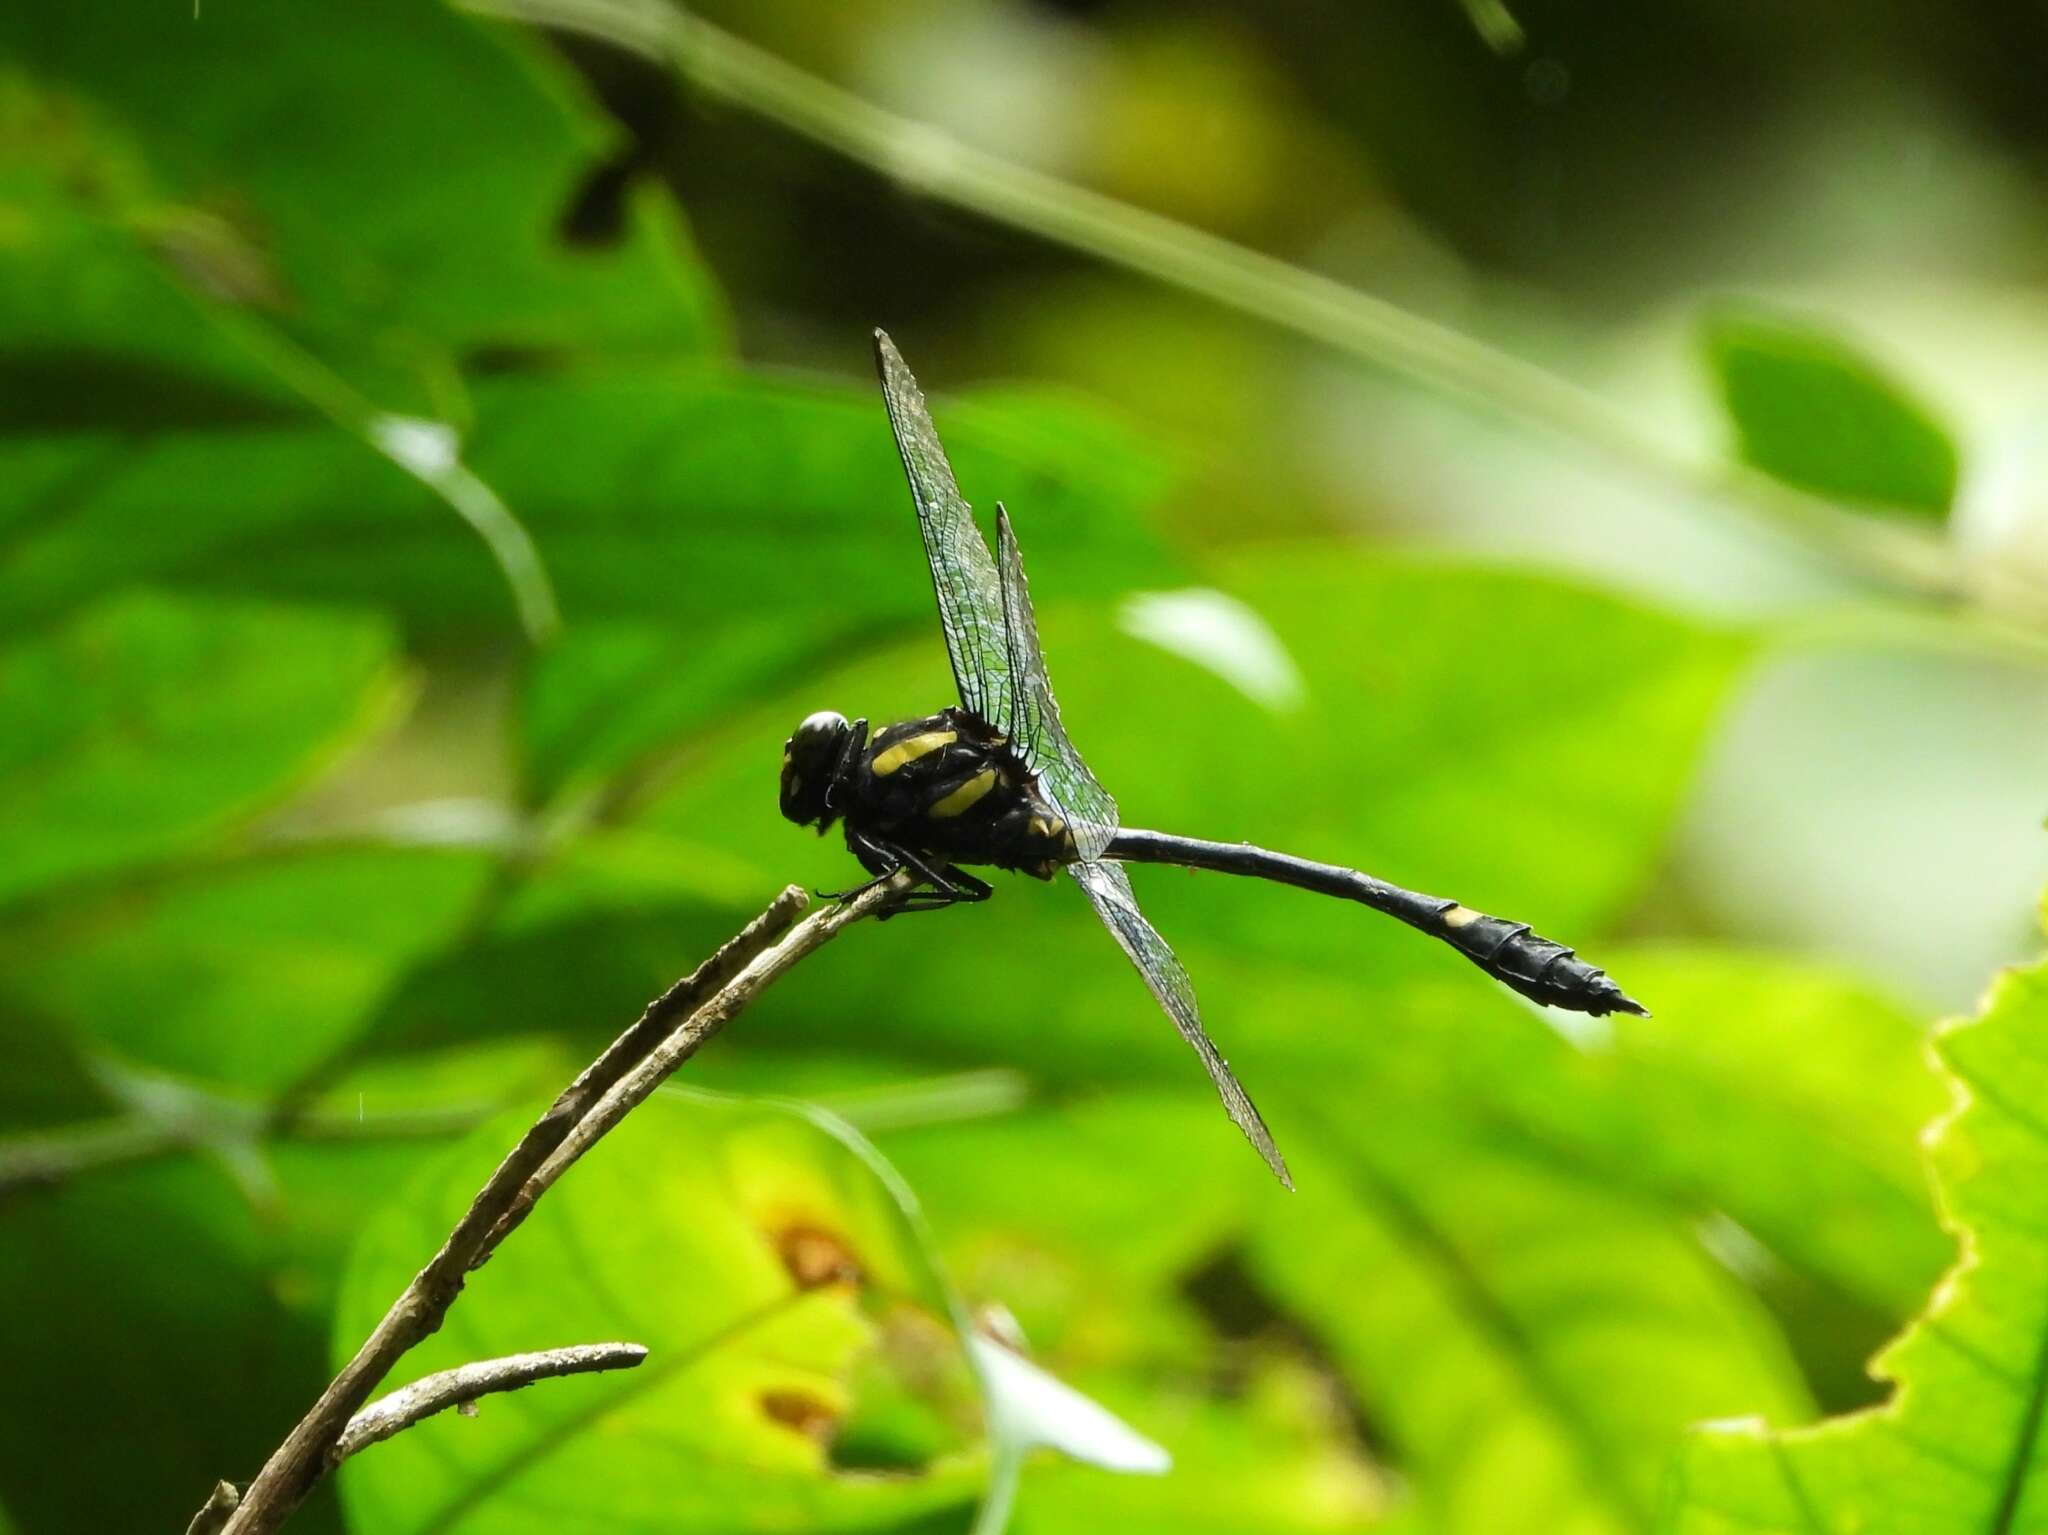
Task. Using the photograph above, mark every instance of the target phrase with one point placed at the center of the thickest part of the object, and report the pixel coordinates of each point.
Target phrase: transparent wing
(1034, 728)
(963, 575)
(1110, 890)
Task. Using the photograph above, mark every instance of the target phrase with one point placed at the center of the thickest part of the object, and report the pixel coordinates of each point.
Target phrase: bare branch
(213, 1513)
(668, 1033)
(408, 1405)
(634, 1086)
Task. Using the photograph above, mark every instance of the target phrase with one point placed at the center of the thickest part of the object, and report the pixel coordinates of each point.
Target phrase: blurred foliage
(1958, 1446)
(801, 1340)
(1811, 411)
(404, 590)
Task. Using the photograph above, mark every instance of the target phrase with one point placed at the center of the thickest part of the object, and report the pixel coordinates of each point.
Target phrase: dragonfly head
(810, 764)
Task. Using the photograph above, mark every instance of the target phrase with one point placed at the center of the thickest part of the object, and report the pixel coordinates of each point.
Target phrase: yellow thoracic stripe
(910, 750)
(964, 796)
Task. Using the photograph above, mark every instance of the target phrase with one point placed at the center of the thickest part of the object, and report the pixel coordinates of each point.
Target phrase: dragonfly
(995, 781)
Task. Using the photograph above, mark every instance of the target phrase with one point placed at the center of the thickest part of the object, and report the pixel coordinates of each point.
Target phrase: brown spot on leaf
(816, 1258)
(807, 1414)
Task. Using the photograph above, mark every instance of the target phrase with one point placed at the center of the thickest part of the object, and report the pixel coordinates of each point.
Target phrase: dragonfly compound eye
(810, 761)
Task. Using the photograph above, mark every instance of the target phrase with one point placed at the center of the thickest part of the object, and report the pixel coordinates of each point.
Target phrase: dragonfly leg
(958, 886)
(947, 884)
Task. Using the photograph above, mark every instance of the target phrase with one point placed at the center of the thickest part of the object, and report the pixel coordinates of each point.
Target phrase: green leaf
(99, 331)
(1765, 1091)
(247, 973)
(254, 245)
(1809, 408)
(708, 1230)
(380, 1128)
(582, 972)
(1959, 1445)
(372, 235)
(146, 726)
(753, 579)
(48, 1081)
(147, 1337)
(1524, 1345)
(1095, 1226)
(1783, 1094)
(646, 496)
(1533, 1343)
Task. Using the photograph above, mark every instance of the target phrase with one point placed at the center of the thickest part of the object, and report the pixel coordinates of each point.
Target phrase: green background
(439, 465)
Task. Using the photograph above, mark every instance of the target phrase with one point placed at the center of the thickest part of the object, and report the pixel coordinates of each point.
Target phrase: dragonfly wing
(1109, 888)
(1035, 731)
(963, 574)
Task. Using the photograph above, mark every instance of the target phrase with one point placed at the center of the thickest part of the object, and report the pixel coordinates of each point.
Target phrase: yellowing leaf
(804, 1370)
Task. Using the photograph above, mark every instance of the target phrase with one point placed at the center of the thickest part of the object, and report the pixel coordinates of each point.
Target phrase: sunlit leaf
(1958, 1446)
(801, 1340)
(1532, 1343)
(1785, 1094)
(1811, 409)
(1100, 1227)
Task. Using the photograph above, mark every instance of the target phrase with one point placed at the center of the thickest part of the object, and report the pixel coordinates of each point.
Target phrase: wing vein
(1109, 890)
(963, 572)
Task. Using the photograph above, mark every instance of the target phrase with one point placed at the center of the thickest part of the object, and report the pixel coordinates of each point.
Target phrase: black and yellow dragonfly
(994, 780)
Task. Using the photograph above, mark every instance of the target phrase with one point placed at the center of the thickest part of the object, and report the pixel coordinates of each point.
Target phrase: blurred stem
(936, 165)
(938, 1101)
(34, 1161)
(1005, 1472)
(30, 1161)
(426, 450)
(1496, 26)
(672, 1029)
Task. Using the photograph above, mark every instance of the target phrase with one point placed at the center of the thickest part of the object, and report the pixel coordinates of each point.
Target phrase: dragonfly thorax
(948, 787)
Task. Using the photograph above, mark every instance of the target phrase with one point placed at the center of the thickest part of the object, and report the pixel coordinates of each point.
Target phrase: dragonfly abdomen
(1510, 952)
(1540, 969)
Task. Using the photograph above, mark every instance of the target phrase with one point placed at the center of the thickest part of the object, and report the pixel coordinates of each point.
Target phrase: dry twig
(430, 1394)
(674, 1026)
(214, 1512)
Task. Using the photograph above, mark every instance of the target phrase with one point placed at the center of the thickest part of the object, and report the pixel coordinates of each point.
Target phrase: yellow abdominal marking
(965, 795)
(1460, 916)
(910, 750)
